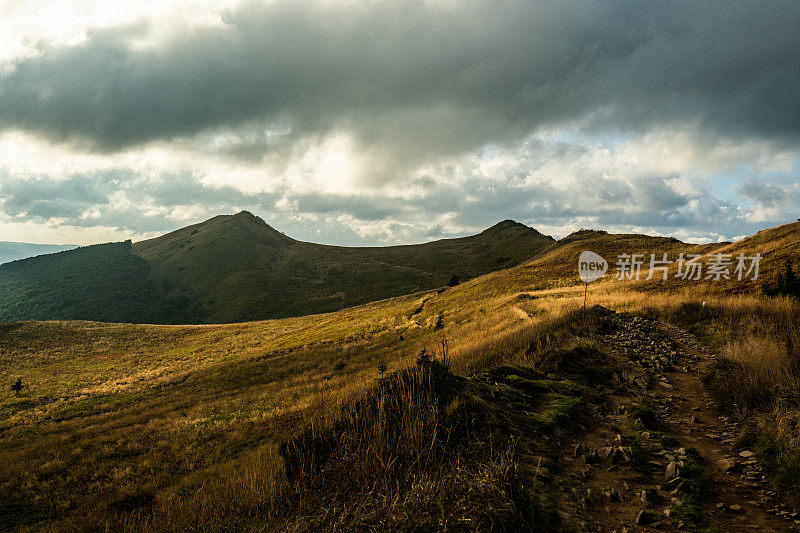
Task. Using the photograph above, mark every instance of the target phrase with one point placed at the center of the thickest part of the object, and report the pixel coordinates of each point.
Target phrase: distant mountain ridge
(277, 276)
(234, 268)
(13, 251)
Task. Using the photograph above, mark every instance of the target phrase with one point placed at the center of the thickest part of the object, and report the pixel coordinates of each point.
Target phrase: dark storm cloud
(414, 81)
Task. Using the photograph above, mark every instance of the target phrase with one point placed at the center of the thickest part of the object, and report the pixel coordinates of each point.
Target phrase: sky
(362, 122)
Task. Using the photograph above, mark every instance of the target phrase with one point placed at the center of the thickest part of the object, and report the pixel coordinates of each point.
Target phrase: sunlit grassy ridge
(117, 418)
(235, 268)
(239, 268)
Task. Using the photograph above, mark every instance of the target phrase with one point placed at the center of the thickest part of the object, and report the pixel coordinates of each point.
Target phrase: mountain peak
(235, 267)
(509, 223)
(513, 226)
(248, 219)
(246, 215)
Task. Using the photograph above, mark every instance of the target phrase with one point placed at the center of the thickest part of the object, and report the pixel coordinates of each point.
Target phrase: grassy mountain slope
(778, 247)
(101, 282)
(184, 422)
(12, 251)
(557, 266)
(239, 268)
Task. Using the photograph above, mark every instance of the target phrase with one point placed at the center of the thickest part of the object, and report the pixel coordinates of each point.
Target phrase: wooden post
(585, 294)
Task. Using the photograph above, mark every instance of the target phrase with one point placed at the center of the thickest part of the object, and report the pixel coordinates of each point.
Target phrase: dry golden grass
(756, 377)
(388, 456)
(178, 427)
(763, 368)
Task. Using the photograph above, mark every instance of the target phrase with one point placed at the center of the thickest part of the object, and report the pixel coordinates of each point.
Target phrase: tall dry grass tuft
(246, 496)
(416, 449)
(410, 453)
(756, 376)
(759, 371)
(757, 341)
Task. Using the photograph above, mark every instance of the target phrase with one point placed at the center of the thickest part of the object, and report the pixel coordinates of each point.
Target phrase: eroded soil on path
(656, 454)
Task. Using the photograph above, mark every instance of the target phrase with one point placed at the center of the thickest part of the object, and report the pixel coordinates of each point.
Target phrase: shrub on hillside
(788, 284)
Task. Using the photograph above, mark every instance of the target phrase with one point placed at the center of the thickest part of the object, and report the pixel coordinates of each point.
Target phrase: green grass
(645, 413)
(693, 492)
(117, 420)
(755, 378)
(562, 409)
(102, 282)
(126, 411)
(236, 268)
(773, 438)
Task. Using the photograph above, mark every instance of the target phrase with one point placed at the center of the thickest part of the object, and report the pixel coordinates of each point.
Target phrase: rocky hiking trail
(655, 453)
(601, 424)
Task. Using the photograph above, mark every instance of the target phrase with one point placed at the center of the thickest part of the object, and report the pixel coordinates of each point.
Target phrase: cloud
(44, 199)
(772, 194)
(414, 81)
(555, 186)
(772, 200)
(120, 199)
(383, 121)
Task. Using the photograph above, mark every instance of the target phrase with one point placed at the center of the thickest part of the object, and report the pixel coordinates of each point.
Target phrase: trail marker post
(585, 294)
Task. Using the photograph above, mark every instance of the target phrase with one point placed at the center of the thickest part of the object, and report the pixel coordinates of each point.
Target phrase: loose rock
(671, 470)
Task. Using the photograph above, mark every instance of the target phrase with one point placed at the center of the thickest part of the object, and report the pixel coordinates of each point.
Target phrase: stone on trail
(746, 454)
(671, 471)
